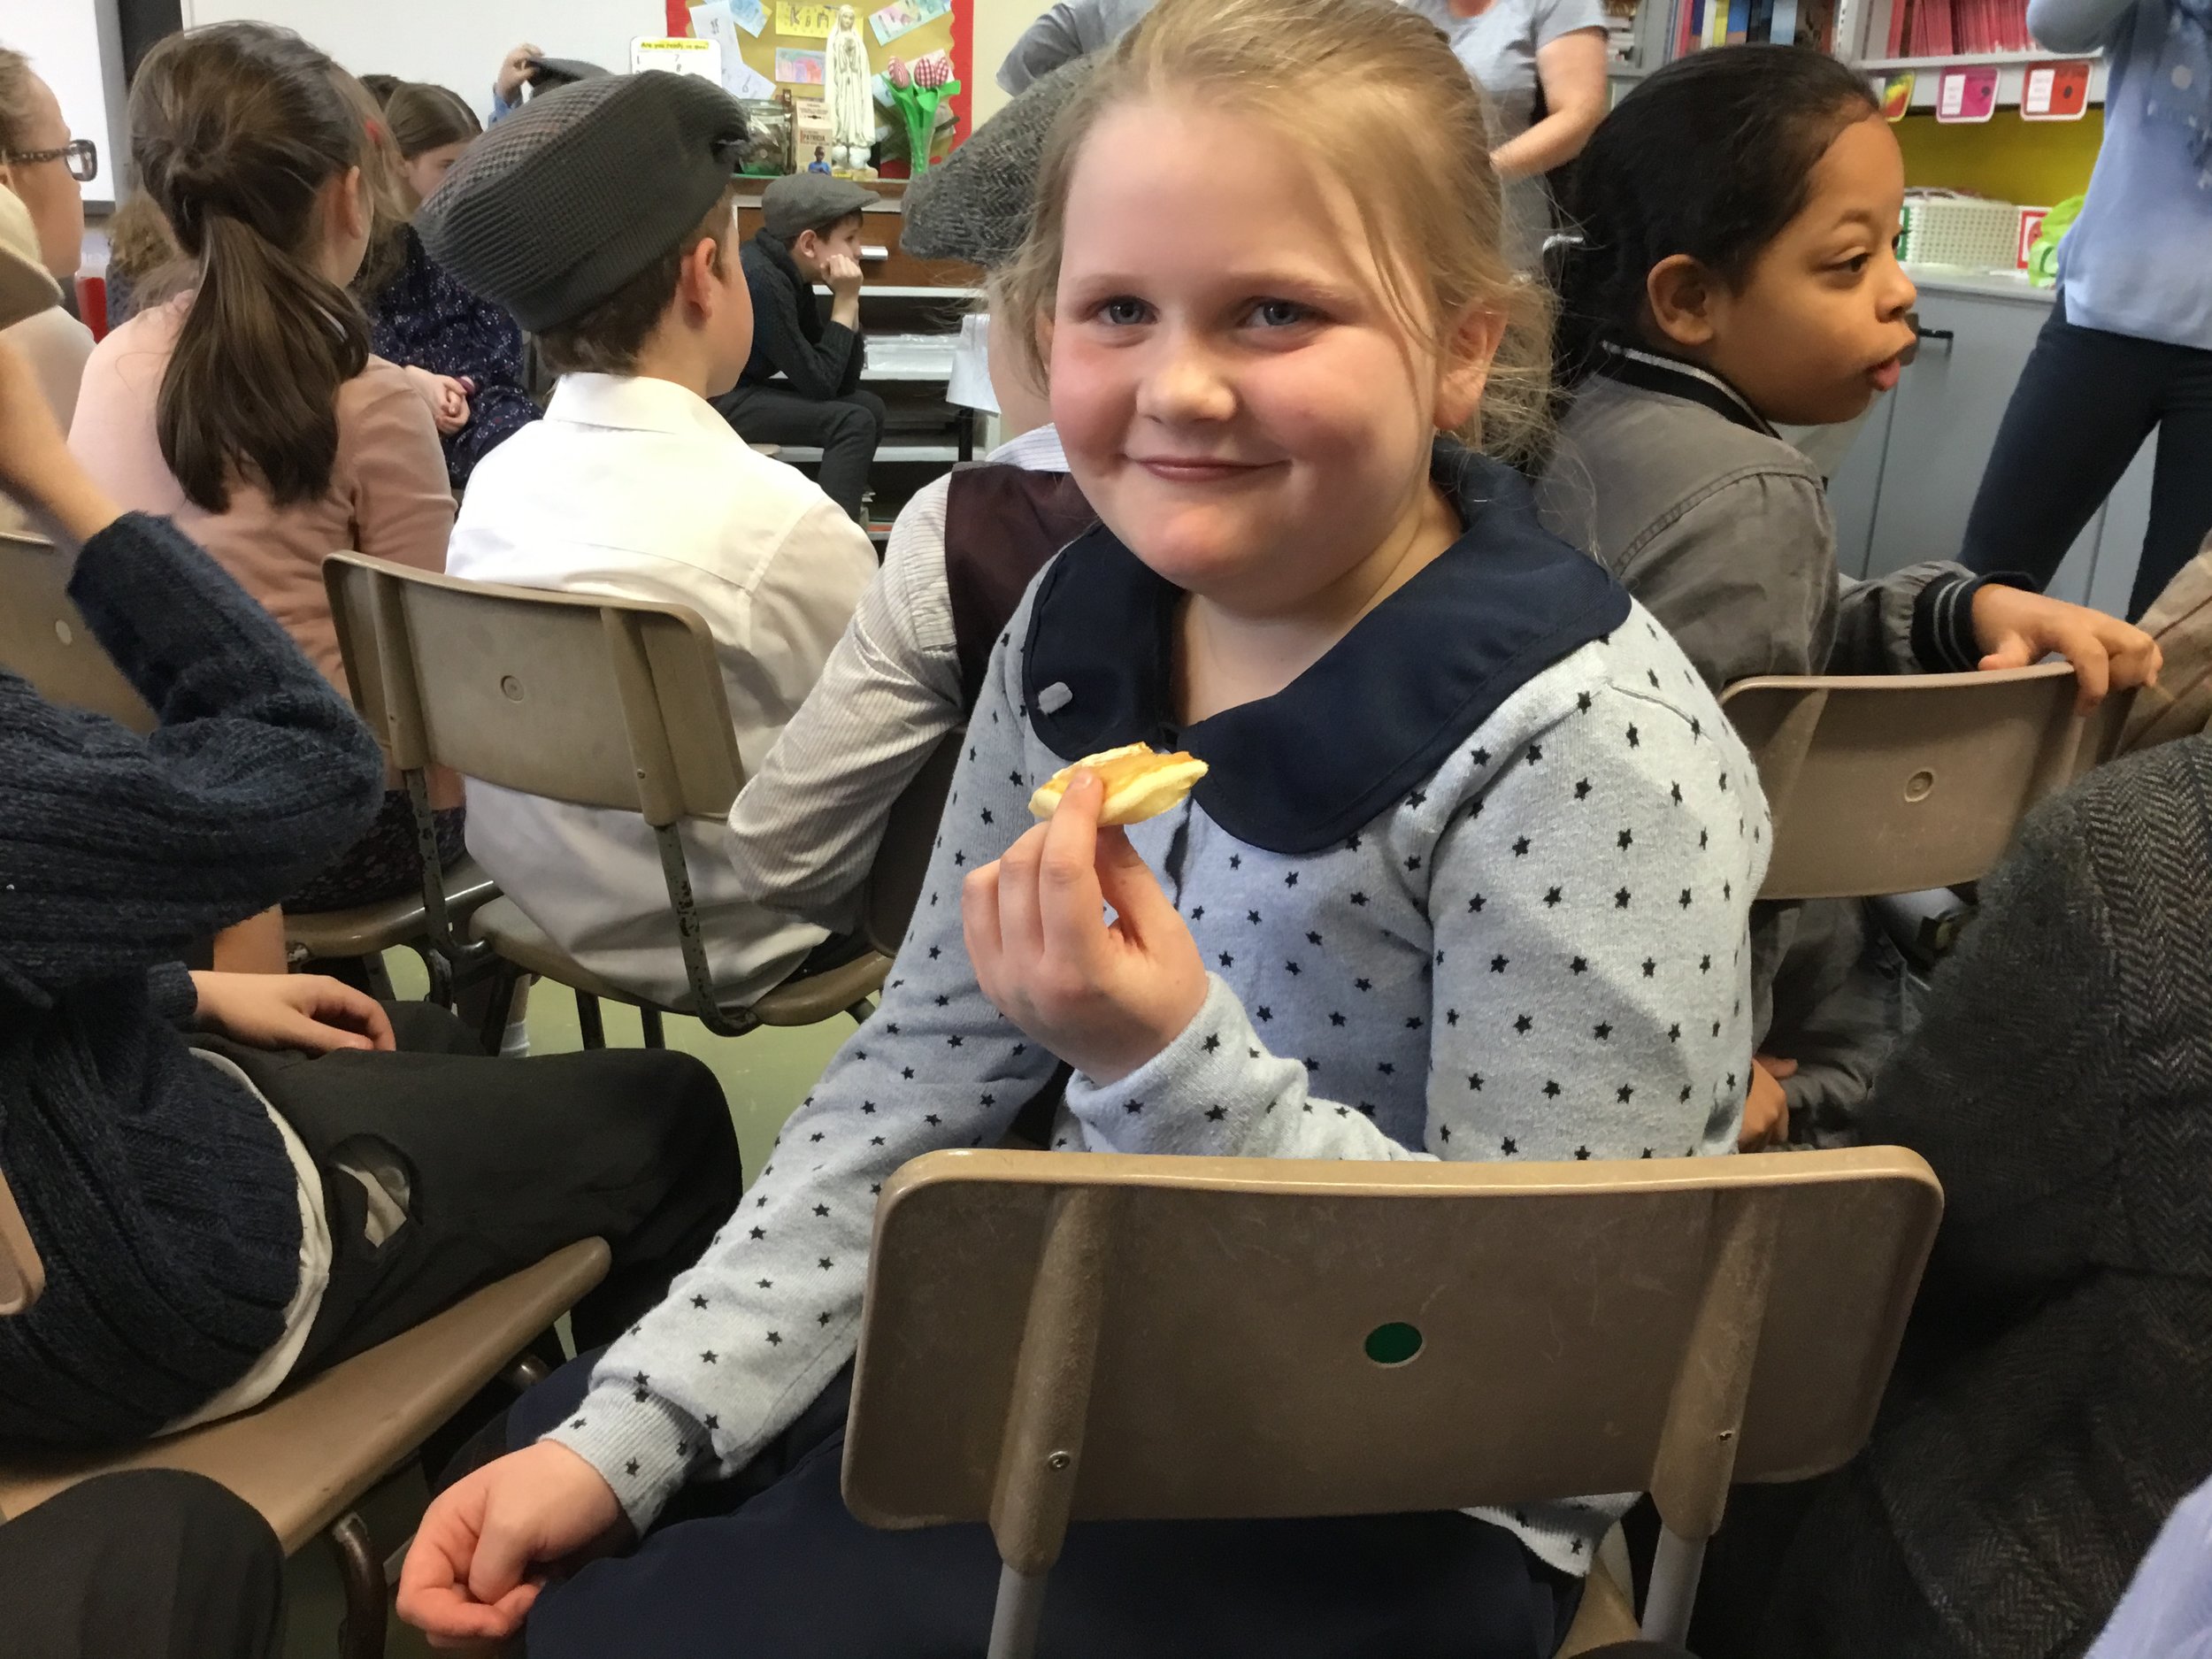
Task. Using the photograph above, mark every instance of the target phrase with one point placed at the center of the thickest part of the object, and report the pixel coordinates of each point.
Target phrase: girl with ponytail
(248, 408)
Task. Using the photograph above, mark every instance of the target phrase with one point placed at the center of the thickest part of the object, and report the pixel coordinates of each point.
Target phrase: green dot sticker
(1393, 1344)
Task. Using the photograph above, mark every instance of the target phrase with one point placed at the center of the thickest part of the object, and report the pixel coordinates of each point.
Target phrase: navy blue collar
(1303, 769)
(1677, 379)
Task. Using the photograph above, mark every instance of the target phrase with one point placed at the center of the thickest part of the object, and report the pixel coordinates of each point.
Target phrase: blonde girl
(1467, 879)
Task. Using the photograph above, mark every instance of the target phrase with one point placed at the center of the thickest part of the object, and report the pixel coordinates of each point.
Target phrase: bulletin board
(793, 31)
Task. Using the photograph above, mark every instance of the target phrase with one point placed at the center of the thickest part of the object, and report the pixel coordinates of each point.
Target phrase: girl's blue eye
(1279, 313)
(1122, 310)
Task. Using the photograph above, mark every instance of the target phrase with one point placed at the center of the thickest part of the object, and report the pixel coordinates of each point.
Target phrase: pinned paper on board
(741, 80)
(714, 21)
(904, 16)
(804, 22)
(1897, 96)
(798, 68)
(751, 15)
(2054, 92)
(1967, 95)
(678, 56)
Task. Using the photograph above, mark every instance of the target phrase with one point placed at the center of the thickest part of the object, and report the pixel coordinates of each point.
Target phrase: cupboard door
(1854, 486)
(1947, 409)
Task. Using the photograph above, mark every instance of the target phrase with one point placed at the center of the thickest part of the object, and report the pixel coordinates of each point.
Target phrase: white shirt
(807, 824)
(634, 489)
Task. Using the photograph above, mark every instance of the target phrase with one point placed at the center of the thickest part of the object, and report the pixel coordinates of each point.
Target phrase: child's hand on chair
(480, 1557)
(2017, 628)
(1104, 997)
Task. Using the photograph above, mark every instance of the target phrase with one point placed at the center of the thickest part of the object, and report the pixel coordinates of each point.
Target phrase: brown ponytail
(235, 130)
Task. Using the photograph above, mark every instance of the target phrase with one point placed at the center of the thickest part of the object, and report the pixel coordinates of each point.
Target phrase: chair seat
(305, 1458)
(367, 929)
(803, 1001)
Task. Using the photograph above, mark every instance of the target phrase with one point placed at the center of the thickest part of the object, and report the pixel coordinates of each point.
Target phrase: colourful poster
(904, 16)
(1967, 95)
(804, 22)
(798, 68)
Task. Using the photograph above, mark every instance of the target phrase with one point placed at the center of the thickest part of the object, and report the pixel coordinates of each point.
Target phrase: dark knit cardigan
(2055, 1398)
(157, 1193)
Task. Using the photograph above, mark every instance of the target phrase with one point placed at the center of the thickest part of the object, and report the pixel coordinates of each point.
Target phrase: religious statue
(852, 104)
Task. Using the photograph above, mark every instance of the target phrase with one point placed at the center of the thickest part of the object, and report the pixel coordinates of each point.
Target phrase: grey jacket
(1068, 30)
(1722, 532)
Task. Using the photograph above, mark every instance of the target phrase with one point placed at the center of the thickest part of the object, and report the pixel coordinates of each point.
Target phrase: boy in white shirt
(632, 487)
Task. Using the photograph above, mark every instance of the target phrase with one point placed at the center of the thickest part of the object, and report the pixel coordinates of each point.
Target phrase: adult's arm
(2075, 26)
(1055, 38)
(806, 827)
(1570, 67)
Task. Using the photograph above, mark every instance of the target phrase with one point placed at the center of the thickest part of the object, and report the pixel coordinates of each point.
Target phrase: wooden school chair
(44, 638)
(604, 702)
(1048, 1339)
(1899, 783)
(308, 1456)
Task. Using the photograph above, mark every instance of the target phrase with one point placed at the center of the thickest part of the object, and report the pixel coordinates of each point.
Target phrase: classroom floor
(765, 1076)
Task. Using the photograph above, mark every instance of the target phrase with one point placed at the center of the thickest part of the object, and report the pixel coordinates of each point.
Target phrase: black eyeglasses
(81, 156)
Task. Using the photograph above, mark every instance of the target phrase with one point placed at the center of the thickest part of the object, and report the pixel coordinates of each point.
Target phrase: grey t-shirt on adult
(1499, 49)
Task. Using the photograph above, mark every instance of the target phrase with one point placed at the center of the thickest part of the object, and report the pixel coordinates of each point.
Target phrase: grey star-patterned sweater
(1537, 950)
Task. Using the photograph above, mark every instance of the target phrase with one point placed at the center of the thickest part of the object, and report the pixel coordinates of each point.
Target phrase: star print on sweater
(1360, 1017)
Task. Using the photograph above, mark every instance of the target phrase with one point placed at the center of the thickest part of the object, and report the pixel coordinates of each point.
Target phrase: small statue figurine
(851, 99)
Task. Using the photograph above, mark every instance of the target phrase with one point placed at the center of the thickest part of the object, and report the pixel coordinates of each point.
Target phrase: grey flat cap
(567, 199)
(976, 204)
(810, 201)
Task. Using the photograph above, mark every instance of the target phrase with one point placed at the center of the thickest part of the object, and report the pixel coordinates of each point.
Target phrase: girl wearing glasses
(42, 166)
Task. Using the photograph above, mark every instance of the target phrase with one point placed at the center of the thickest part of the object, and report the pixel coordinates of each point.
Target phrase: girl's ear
(1464, 368)
(350, 206)
(1681, 294)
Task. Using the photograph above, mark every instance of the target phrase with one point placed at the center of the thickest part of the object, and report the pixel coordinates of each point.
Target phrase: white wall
(456, 43)
(74, 47)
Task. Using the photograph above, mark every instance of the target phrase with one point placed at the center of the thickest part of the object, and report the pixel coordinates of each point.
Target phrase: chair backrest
(1899, 783)
(22, 1275)
(1047, 1337)
(910, 835)
(606, 703)
(44, 638)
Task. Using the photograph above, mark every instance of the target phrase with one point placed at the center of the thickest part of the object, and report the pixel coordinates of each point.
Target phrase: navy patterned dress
(426, 319)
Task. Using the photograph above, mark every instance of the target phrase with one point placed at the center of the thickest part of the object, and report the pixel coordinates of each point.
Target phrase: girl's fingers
(980, 927)
(1130, 887)
(1069, 901)
(1020, 925)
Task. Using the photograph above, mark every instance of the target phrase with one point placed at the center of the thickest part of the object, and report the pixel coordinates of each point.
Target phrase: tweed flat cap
(976, 204)
(810, 201)
(582, 188)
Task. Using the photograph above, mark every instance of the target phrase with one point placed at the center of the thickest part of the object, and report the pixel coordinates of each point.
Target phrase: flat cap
(976, 204)
(808, 201)
(567, 199)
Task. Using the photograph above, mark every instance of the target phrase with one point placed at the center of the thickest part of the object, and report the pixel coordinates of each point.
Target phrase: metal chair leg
(499, 1008)
(587, 1020)
(1015, 1618)
(649, 1019)
(440, 973)
(361, 1635)
(1675, 1569)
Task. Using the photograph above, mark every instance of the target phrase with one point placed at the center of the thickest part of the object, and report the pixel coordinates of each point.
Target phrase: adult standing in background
(1068, 30)
(1515, 49)
(2130, 338)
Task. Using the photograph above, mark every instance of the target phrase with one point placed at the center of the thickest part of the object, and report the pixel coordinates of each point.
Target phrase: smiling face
(1237, 396)
(1815, 328)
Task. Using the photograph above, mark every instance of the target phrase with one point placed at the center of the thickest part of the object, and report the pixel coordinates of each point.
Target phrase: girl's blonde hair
(1371, 91)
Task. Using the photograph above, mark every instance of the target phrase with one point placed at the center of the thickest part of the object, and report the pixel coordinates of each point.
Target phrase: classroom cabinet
(1904, 491)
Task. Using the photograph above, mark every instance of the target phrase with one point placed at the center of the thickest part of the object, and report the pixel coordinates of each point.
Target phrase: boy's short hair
(578, 206)
(606, 339)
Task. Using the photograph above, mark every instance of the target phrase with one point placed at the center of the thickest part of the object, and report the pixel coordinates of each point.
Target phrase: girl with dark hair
(419, 315)
(249, 408)
(1735, 268)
